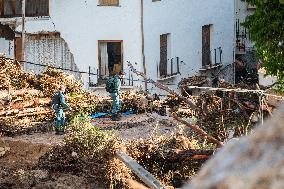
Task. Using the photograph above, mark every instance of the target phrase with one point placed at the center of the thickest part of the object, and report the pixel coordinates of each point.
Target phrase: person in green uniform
(113, 86)
(59, 105)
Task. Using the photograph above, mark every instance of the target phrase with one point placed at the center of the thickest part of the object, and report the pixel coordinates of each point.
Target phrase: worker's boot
(115, 117)
(56, 131)
(61, 130)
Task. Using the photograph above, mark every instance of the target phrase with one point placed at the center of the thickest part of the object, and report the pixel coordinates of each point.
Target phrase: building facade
(169, 39)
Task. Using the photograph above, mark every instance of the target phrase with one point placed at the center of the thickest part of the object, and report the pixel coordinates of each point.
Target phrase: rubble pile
(194, 81)
(223, 114)
(172, 159)
(90, 152)
(26, 97)
(255, 161)
(137, 102)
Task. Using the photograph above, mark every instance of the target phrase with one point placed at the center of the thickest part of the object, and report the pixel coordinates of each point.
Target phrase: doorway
(206, 38)
(110, 58)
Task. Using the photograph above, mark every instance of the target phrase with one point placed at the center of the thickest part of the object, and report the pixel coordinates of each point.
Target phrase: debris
(193, 81)
(3, 151)
(198, 130)
(255, 161)
(163, 87)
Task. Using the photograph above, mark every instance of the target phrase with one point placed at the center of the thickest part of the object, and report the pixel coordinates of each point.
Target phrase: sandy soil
(139, 126)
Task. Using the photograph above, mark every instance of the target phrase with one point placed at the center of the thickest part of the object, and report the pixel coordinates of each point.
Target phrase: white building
(178, 38)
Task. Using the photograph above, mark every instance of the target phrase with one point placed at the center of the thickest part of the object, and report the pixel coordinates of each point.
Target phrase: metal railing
(94, 78)
(173, 68)
(215, 57)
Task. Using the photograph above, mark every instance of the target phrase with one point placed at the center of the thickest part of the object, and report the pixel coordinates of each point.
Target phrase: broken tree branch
(163, 87)
(198, 130)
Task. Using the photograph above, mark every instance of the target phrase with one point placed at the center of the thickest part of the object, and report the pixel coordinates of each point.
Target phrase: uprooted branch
(163, 87)
(199, 131)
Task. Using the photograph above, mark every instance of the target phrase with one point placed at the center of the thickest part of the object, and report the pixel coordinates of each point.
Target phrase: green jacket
(117, 84)
(62, 105)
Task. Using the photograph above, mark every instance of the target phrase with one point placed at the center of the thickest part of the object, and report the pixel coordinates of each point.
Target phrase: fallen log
(21, 92)
(26, 111)
(182, 155)
(163, 87)
(33, 113)
(25, 104)
(198, 130)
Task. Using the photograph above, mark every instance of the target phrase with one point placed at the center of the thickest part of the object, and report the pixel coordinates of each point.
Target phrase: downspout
(235, 39)
(142, 42)
(23, 29)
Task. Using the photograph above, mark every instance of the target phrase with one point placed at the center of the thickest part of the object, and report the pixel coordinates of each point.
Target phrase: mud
(20, 154)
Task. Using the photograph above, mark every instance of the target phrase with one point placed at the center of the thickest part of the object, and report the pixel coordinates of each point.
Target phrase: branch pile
(25, 98)
(90, 152)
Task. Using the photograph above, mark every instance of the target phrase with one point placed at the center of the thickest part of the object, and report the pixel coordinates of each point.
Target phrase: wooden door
(163, 54)
(206, 45)
(18, 50)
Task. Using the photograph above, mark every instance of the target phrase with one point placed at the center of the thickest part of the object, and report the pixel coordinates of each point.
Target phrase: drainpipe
(23, 29)
(142, 41)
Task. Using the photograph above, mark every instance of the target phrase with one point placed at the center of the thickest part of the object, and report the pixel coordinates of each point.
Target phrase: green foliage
(87, 139)
(266, 28)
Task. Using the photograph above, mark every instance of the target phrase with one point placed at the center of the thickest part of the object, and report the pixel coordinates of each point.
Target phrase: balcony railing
(215, 58)
(171, 68)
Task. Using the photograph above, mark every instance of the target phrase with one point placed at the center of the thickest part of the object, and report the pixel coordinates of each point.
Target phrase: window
(164, 54)
(110, 57)
(206, 45)
(34, 8)
(109, 2)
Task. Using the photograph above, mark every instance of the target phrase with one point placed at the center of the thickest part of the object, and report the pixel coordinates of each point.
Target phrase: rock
(3, 150)
(40, 175)
(255, 161)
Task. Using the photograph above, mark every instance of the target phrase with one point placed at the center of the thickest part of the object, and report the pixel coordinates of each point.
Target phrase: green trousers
(60, 120)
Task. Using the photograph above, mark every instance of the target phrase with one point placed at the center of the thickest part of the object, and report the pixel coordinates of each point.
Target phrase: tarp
(104, 114)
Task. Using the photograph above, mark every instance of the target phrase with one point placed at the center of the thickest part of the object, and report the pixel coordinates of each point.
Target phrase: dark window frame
(108, 5)
(16, 5)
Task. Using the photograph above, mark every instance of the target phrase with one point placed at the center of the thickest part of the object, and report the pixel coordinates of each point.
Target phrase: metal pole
(129, 78)
(142, 40)
(89, 76)
(172, 61)
(23, 29)
(178, 65)
(97, 76)
(215, 56)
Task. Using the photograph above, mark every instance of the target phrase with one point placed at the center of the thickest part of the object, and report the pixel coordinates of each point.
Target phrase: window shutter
(8, 7)
(30, 7)
(43, 8)
(18, 9)
(1, 8)
(109, 2)
(163, 54)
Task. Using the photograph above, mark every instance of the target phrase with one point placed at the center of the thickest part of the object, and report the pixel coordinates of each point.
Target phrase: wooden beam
(144, 175)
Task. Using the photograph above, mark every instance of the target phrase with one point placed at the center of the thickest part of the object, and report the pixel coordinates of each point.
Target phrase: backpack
(55, 99)
(110, 85)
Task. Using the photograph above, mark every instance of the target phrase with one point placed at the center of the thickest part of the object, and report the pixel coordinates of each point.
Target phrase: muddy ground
(19, 155)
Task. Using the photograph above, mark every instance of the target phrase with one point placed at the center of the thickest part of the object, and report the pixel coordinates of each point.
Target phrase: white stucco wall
(82, 23)
(184, 19)
(7, 47)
